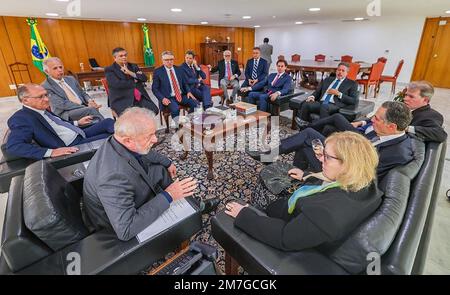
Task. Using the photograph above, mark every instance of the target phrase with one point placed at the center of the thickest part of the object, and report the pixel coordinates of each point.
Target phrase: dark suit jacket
(121, 86)
(191, 77)
(118, 194)
(394, 153)
(283, 84)
(428, 124)
(161, 83)
(262, 71)
(348, 88)
(31, 135)
(221, 68)
(59, 101)
(319, 219)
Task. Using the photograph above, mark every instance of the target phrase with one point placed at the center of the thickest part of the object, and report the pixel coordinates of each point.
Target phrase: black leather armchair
(11, 166)
(43, 201)
(361, 109)
(399, 230)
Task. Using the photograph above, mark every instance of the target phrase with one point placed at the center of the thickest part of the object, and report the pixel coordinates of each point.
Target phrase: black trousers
(336, 122)
(316, 107)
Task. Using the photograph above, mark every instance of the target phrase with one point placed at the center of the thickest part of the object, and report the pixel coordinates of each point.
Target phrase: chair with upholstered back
(207, 81)
(295, 58)
(105, 85)
(382, 59)
(392, 79)
(373, 79)
(353, 71)
(281, 57)
(346, 58)
(319, 57)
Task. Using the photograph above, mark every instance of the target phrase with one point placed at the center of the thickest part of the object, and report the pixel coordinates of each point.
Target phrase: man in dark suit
(194, 75)
(276, 84)
(126, 84)
(331, 95)
(171, 88)
(386, 131)
(67, 99)
(229, 73)
(426, 123)
(256, 69)
(127, 186)
(37, 133)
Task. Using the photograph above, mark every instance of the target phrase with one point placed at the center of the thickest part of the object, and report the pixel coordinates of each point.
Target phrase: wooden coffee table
(228, 127)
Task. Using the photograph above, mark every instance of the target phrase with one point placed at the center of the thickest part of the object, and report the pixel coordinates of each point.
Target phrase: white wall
(366, 41)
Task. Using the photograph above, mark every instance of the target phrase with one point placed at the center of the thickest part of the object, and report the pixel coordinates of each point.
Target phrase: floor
(438, 260)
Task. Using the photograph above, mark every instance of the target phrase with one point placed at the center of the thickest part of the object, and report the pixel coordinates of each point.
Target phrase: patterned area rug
(236, 178)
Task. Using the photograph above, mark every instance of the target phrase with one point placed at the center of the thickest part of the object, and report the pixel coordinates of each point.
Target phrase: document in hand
(178, 211)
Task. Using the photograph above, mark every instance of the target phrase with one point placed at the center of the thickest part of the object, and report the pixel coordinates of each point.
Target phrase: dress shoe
(268, 158)
(301, 124)
(210, 205)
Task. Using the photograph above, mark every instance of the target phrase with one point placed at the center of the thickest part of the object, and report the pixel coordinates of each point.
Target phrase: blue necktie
(329, 96)
(63, 123)
(255, 67)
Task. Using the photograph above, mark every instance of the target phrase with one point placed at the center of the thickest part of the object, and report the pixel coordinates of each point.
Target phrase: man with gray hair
(67, 99)
(426, 123)
(127, 186)
(171, 88)
(229, 73)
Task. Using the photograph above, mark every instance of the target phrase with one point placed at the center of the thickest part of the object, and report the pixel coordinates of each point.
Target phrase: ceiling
(266, 13)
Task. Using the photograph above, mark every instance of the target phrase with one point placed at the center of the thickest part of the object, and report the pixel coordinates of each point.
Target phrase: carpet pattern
(236, 178)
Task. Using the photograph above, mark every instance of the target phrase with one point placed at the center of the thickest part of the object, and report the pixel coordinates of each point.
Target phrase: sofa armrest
(287, 98)
(258, 258)
(362, 108)
(296, 102)
(102, 253)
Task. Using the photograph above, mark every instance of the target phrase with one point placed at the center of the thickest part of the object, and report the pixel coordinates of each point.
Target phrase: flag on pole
(149, 58)
(39, 51)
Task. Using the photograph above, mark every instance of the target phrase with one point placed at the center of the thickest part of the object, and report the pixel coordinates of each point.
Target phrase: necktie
(255, 67)
(69, 93)
(176, 88)
(60, 122)
(276, 79)
(137, 94)
(372, 136)
(329, 96)
(195, 73)
(229, 70)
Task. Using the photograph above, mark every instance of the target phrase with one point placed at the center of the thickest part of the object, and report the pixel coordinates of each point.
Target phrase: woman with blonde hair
(325, 211)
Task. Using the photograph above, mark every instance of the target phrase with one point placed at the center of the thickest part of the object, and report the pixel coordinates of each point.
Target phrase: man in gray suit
(67, 99)
(127, 186)
(266, 51)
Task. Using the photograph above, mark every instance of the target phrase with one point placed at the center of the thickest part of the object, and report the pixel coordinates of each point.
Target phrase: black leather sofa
(11, 166)
(360, 109)
(45, 202)
(399, 230)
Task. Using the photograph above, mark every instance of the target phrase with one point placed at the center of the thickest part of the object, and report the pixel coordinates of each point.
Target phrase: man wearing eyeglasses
(37, 133)
(229, 73)
(386, 131)
(171, 88)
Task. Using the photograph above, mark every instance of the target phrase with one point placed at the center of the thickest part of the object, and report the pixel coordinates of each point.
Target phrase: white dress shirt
(329, 87)
(172, 92)
(65, 134)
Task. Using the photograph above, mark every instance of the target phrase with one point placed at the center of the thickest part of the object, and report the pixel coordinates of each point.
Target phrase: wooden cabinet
(211, 53)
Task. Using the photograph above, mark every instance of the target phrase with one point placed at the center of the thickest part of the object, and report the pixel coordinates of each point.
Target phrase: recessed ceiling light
(246, 17)
(204, 23)
(314, 9)
(257, 26)
(448, 11)
(141, 19)
(298, 23)
(51, 14)
(358, 18)
(274, 16)
(176, 10)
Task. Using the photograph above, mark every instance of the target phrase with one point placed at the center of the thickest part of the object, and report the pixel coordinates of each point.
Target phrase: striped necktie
(255, 67)
(176, 88)
(329, 96)
(63, 123)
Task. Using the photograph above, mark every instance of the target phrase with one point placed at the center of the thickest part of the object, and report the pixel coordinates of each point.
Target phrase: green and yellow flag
(149, 58)
(39, 51)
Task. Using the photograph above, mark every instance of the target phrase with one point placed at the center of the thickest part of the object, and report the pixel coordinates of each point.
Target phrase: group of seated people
(127, 185)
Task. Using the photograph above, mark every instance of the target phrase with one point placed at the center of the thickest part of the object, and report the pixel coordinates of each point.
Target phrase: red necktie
(192, 67)
(229, 70)
(137, 94)
(176, 89)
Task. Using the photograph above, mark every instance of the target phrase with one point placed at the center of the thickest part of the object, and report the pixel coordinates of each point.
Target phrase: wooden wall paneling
(429, 32)
(6, 58)
(96, 39)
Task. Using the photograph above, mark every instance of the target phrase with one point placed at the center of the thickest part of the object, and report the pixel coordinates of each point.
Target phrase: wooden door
(433, 60)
